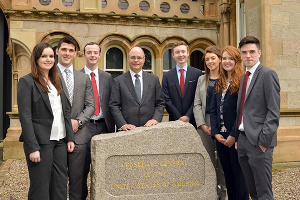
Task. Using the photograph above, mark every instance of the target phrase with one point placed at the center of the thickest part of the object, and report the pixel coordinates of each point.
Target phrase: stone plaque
(166, 161)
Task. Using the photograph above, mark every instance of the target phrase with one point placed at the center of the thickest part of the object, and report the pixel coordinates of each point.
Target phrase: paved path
(14, 181)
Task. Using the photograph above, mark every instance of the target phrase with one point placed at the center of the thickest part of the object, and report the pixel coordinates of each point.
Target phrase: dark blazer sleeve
(24, 97)
(115, 104)
(213, 115)
(67, 117)
(172, 110)
(159, 102)
(272, 97)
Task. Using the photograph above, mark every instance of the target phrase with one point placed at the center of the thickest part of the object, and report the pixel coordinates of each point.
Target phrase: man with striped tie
(78, 88)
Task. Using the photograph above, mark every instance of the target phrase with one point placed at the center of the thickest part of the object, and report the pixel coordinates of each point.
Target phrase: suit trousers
(48, 178)
(210, 146)
(94, 129)
(235, 182)
(257, 168)
(76, 168)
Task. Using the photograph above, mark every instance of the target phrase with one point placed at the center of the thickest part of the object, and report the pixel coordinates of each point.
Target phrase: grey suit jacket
(200, 102)
(36, 114)
(105, 85)
(83, 106)
(261, 109)
(124, 104)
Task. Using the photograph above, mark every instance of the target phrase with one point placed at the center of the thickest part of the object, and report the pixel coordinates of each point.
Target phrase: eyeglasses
(134, 58)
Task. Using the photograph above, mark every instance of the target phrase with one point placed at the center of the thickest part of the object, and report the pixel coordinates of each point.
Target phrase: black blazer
(36, 115)
(229, 112)
(176, 105)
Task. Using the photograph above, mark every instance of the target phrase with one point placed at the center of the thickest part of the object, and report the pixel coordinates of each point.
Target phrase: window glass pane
(114, 58)
(68, 3)
(168, 60)
(45, 2)
(196, 60)
(148, 59)
(115, 74)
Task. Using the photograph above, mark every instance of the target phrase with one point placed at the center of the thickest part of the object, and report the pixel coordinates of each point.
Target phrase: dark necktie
(137, 87)
(96, 94)
(243, 96)
(181, 81)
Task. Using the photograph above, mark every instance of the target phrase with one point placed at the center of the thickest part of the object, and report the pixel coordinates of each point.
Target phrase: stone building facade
(155, 25)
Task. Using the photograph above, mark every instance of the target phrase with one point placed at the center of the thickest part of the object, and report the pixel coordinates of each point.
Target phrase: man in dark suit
(136, 96)
(78, 88)
(179, 86)
(101, 121)
(258, 111)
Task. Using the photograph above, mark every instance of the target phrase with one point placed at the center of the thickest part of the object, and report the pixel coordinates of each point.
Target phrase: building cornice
(115, 19)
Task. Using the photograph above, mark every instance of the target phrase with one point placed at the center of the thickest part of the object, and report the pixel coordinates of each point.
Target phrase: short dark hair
(249, 40)
(92, 43)
(68, 40)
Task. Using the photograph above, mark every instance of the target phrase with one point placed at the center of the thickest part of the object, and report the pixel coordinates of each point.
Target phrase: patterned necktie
(182, 81)
(70, 85)
(243, 96)
(137, 87)
(96, 94)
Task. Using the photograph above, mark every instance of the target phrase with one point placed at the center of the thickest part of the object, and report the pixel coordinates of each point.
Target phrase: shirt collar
(88, 71)
(133, 73)
(252, 70)
(62, 68)
(178, 68)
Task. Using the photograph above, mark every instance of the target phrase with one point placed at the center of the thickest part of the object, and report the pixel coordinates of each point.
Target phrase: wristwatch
(80, 124)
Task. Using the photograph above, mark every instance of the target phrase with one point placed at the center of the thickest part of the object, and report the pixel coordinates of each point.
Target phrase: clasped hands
(227, 142)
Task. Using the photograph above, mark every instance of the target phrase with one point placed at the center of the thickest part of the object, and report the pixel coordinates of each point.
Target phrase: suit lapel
(253, 80)
(175, 77)
(145, 85)
(129, 83)
(76, 79)
(187, 79)
(63, 84)
(101, 84)
(45, 97)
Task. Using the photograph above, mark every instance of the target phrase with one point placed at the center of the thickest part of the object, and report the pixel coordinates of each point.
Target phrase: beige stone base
(288, 143)
(12, 148)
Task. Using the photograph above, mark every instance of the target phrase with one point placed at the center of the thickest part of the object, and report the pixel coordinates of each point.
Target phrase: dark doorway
(196, 60)
(5, 78)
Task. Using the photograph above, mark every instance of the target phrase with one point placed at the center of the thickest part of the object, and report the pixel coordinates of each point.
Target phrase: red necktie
(96, 95)
(243, 96)
(181, 81)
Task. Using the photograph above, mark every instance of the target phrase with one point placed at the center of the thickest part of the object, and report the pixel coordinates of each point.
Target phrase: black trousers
(235, 182)
(48, 178)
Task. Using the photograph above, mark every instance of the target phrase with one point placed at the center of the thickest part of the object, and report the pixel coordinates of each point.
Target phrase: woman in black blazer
(47, 134)
(223, 121)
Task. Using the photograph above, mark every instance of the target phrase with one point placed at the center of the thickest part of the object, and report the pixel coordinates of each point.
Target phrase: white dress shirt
(141, 79)
(179, 73)
(252, 71)
(96, 72)
(58, 130)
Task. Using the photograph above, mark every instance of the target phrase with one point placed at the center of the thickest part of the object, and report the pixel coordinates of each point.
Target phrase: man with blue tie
(179, 86)
(136, 96)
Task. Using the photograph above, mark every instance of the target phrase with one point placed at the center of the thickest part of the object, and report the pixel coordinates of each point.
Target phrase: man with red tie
(101, 121)
(179, 86)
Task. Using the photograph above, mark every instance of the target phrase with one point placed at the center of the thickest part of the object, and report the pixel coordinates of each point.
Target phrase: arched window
(196, 59)
(168, 61)
(114, 61)
(148, 67)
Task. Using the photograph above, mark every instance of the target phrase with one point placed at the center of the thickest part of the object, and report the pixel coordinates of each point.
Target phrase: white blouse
(58, 130)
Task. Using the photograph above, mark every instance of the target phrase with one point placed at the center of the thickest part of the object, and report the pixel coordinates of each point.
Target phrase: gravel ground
(286, 183)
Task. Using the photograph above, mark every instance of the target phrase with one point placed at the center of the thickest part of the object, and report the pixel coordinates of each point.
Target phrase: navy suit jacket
(176, 105)
(229, 112)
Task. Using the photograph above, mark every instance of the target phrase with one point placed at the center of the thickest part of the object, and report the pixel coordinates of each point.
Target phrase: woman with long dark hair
(202, 105)
(223, 121)
(47, 133)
